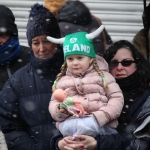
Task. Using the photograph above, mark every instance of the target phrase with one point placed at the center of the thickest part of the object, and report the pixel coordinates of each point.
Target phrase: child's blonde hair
(64, 69)
(54, 5)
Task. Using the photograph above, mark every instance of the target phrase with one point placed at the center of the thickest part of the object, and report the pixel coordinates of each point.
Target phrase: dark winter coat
(22, 60)
(144, 113)
(133, 102)
(142, 140)
(74, 16)
(134, 99)
(24, 101)
(122, 140)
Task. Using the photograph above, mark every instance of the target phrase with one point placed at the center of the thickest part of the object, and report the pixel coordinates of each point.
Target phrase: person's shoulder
(25, 49)
(109, 77)
(22, 71)
(25, 54)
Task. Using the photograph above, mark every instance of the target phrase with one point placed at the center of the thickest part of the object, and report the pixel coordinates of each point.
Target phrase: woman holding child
(24, 117)
(132, 73)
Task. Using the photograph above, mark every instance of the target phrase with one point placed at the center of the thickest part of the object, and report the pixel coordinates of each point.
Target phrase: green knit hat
(78, 44)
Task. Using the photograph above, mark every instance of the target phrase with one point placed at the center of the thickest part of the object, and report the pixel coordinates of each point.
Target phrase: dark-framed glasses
(124, 63)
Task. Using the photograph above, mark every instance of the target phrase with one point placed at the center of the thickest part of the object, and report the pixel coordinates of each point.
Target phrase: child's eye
(69, 58)
(80, 58)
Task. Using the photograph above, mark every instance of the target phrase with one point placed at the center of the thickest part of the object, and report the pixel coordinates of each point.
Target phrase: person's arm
(112, 110)
(11, 122)
(104, 142)
(118, 141)
(85, 142)
(140, 144)
(55, 111)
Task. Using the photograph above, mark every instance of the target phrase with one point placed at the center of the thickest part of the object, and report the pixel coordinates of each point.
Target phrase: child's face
(78, 63)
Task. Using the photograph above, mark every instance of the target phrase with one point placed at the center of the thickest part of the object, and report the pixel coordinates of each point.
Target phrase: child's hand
(64, 111)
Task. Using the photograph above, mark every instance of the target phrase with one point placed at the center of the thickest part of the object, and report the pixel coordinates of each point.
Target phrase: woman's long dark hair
(143, 67)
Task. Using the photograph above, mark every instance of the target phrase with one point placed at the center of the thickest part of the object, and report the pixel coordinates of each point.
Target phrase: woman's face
(4, 37)
(42, 48)
(125, 69)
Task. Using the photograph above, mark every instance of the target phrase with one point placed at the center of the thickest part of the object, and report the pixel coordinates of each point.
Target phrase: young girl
(85, 77)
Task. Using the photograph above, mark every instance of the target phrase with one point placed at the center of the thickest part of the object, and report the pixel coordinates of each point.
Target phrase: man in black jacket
(12, 55)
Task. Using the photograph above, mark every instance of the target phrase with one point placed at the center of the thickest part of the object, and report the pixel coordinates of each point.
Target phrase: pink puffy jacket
(105, 106)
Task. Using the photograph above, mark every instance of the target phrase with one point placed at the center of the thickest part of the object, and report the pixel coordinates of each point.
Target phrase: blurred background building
(122, 18)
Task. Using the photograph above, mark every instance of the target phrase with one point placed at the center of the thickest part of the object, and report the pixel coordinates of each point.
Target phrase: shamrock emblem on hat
(72, 40)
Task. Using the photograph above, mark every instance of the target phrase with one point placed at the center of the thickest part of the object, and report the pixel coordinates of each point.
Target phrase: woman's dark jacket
(142, 139)
(24, 100)
(74, 16)
(22, 60)
(133, 102)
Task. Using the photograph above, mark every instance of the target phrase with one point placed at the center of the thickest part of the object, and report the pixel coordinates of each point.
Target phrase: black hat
(41, 22)
(7, 21)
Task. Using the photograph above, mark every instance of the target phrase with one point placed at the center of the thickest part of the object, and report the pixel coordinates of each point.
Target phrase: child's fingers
(64, 111)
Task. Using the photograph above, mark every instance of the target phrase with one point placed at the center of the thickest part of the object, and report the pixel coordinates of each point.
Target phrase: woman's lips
(120, 75)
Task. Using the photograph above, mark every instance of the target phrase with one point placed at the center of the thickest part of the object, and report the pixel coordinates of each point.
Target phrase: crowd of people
(72, 51)
(78, 19)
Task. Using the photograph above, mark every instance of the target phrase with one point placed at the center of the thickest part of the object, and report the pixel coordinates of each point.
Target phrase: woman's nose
(41, 47)
(2, 41)
(4, 38)
(119, 66)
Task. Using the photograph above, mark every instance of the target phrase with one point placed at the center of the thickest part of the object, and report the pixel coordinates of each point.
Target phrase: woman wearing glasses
(132, 73)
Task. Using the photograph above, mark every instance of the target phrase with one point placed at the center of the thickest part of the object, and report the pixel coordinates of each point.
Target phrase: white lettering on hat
(85, 48)
(88, 49)
(77, 47)
(66, 49)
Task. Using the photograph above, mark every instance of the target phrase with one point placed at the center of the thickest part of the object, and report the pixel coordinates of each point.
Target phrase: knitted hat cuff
(34, 33)
(41, 22)
(7, 21)
(78, 44)
(8, 27)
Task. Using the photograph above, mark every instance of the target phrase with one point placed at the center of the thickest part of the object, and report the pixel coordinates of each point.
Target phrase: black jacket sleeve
(54, 141)
(104, 142)
(12, 124)
(118, 141)
(139, 144)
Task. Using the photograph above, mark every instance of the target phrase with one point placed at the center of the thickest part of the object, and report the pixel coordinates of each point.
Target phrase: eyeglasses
(124, 63)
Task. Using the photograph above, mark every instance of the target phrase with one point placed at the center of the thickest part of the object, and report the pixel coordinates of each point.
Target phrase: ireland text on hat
(77, 47)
